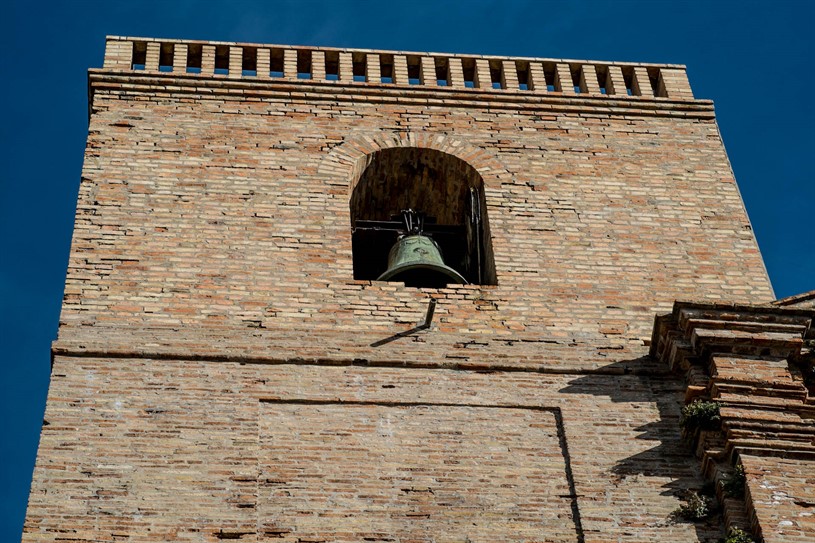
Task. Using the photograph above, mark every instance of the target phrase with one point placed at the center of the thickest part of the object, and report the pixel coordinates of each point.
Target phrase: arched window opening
(418, 216)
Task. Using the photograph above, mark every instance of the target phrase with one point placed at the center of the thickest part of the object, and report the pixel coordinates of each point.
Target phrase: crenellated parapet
(757, 363)
(442, 72)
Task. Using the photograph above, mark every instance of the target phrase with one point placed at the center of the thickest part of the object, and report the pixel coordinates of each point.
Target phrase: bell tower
(340, 295)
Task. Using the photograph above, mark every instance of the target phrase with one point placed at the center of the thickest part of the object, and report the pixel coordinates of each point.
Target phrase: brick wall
(179, 450)
(242, 205)
(220, 374)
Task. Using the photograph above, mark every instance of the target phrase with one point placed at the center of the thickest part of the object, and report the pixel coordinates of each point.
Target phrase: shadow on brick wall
(635, 382)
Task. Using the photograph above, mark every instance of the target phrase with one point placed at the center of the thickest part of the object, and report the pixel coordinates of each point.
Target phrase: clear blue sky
(754, 59)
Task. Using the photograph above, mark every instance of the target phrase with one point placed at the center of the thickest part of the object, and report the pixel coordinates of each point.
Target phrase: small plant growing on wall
(737, 535)
(700, 414)
(733, 484)
(697, 507)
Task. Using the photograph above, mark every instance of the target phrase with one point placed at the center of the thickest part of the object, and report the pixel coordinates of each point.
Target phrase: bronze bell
(416, 260)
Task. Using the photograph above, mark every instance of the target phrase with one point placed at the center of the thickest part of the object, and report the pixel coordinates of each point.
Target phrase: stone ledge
(766, 408)
(158, 83)
(437, 349)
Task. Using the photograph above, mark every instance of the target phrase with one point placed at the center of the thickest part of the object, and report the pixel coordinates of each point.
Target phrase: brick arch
(453, 168)
(349, 159)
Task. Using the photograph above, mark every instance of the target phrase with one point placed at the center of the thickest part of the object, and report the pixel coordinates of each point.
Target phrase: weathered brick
(220, 374)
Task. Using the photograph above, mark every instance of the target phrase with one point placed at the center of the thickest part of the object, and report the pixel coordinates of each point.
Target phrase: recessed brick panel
(355, 472)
